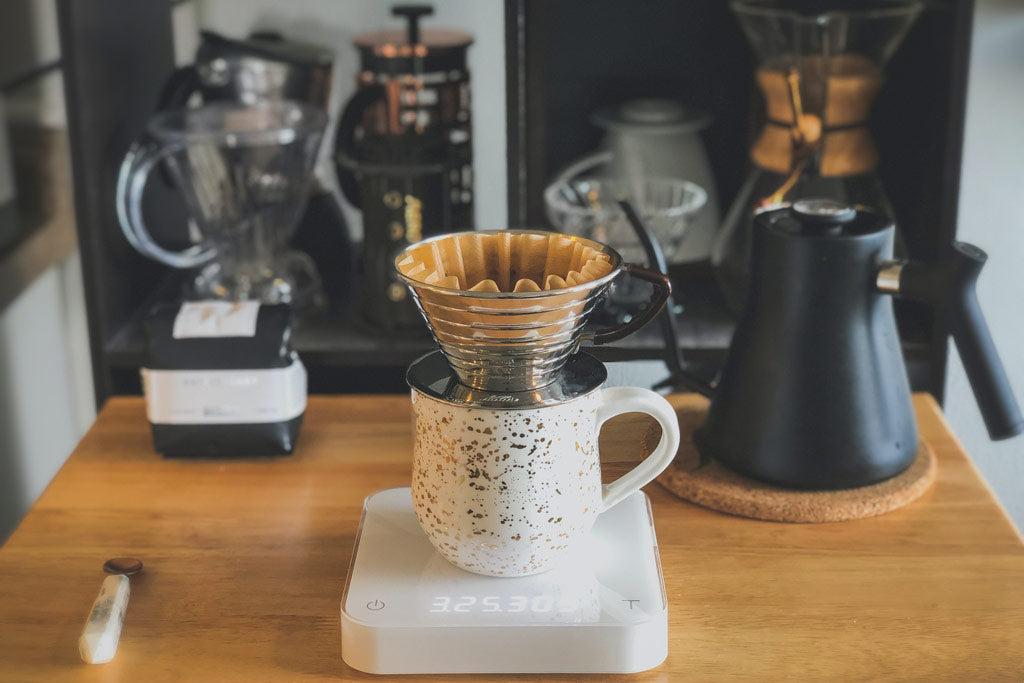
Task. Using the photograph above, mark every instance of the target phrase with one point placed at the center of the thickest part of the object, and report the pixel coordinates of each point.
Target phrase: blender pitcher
(244, 173)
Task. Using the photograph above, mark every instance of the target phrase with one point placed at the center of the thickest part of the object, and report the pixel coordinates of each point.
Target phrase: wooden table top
(246, 562)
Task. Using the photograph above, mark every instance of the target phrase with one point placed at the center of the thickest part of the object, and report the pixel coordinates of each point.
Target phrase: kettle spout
(949, 287)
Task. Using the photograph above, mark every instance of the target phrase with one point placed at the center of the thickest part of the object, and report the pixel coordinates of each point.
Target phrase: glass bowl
(587, 206)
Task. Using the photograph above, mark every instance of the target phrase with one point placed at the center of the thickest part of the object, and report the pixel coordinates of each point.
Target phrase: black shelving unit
(563, 59)
(568, 58)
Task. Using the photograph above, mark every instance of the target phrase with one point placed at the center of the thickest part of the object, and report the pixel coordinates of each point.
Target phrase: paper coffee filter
(508, 307)
(505, 262)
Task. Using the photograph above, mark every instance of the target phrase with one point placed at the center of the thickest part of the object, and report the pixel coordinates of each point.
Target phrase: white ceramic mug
(508, 492)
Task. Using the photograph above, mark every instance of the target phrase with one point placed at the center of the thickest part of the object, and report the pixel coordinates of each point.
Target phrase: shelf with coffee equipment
(342, 340)
(694, 53)
(346, 354)
(711, 58)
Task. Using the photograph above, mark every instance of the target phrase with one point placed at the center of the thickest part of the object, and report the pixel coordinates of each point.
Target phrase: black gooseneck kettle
(814, 393)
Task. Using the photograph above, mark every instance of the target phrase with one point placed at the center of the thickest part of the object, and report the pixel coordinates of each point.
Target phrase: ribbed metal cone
(507, 341)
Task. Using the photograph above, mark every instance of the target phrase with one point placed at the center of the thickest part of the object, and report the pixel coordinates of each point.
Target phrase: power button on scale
(375, 605)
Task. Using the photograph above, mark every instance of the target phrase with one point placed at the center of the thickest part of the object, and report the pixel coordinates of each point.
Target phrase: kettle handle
(345, 139)
(949, 287)
(660, 295)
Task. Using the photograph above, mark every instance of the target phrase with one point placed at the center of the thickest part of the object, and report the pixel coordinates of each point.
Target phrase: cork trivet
(715, 487)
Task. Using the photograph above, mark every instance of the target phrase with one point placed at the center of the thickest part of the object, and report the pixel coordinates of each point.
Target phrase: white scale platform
(407, 610)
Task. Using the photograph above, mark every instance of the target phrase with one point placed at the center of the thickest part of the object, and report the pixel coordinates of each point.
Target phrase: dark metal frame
(949, 198)
(921, 160)
(115, 53)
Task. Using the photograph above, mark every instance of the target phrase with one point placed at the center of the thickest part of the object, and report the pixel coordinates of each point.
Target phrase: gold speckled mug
(506, 491)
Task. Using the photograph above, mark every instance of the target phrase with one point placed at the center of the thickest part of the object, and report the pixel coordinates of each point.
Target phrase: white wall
(46, 390)
(46, 400)
(992, 217)
(334, 24)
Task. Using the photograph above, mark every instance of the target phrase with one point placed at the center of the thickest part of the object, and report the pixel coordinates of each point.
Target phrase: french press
(403, 152)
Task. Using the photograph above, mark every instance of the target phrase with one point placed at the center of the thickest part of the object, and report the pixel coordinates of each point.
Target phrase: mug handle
(662, 291)
(619, 400)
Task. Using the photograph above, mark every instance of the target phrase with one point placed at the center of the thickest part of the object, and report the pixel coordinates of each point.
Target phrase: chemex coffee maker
(814, 393)
(404, 154)
(820, 66)
(508, 554)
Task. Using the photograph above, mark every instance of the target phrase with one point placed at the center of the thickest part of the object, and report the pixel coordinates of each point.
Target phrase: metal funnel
(506, 341)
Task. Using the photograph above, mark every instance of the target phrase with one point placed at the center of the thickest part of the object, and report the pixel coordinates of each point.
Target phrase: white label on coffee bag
(225, 396)
(216, 319)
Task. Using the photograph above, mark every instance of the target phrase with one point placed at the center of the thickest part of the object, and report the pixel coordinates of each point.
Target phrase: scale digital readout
(406, 609)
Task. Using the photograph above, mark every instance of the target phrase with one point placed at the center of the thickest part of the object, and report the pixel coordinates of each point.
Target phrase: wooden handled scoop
(102, 630)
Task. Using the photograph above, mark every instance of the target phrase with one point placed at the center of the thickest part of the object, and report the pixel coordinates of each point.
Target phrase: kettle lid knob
(824, 211)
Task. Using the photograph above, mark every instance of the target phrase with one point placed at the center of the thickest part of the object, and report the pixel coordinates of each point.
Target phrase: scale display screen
(541, 604)
(398, 578)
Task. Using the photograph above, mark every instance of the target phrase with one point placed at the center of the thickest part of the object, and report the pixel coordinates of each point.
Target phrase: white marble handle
(98, 641)
(619, 400)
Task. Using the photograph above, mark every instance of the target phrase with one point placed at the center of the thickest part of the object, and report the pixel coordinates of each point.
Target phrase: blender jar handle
(619, 400)
(140, 160)
(662, 291)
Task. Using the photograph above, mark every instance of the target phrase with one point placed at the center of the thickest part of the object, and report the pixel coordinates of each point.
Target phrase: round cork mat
(713, 486)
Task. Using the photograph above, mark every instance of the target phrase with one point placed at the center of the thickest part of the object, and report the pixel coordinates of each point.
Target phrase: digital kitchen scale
(407, 610)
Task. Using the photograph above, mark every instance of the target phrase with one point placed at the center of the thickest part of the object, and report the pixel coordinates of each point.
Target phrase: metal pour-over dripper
(508, 307)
